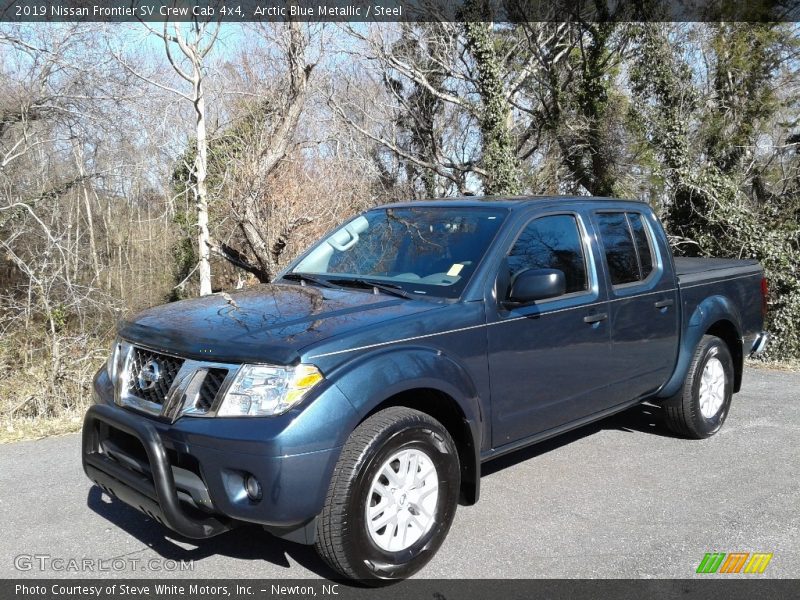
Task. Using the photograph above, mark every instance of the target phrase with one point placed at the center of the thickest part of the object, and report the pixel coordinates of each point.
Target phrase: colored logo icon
(734, 562)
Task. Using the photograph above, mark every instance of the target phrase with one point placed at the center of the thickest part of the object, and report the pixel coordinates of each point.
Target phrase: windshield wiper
(303, 277)
(386, 288)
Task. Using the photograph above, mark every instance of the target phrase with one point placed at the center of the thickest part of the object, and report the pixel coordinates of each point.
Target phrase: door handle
(595, 318)
(664, 303)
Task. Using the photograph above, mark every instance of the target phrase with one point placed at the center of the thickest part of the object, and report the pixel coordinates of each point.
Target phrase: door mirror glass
(537, 284)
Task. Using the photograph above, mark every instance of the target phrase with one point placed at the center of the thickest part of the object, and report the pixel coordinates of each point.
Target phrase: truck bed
(718, 283)
(696, 270)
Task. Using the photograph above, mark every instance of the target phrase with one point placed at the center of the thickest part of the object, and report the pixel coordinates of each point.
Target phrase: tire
(701, 407)
(390, 439)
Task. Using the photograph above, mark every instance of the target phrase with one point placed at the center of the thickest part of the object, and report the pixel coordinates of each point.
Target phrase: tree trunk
(252, 208)
(200, 166)
(92, 240)
(499, 152)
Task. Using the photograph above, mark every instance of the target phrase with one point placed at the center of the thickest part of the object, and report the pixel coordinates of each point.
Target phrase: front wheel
(392, 498)
(700, 408)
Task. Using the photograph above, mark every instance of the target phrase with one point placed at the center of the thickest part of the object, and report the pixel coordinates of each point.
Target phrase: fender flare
(710, 311)
(370, 380)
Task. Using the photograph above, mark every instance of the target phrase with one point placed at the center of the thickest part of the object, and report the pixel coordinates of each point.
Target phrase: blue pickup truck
(351, 403)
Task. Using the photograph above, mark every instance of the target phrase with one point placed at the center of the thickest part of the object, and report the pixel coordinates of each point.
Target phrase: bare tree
(45, 93)
(194, 40)
(453, 98)
(261, 136)
(409, 93)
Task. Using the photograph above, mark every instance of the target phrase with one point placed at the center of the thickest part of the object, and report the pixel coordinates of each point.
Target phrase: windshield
(420, 250)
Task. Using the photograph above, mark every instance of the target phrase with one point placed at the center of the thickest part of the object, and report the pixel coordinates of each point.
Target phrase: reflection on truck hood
(269, 323)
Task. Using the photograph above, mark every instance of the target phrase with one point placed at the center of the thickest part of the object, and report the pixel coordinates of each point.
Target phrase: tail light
(764, 296)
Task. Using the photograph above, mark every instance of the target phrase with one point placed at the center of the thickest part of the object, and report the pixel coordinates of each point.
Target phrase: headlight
(260, 391)
(112, 364)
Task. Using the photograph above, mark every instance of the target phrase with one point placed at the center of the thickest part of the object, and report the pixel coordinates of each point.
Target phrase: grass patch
(791, 365)
(18, 430)
(37, 399)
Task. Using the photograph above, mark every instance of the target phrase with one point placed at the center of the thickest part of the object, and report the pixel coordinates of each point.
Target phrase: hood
(270, 323)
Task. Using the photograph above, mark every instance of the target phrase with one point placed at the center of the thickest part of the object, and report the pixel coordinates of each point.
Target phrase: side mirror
(537, 284)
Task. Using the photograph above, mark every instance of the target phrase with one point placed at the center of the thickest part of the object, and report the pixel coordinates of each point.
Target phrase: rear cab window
(628, 247)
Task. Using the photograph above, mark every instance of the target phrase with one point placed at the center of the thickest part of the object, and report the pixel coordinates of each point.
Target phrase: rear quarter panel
(731, 294)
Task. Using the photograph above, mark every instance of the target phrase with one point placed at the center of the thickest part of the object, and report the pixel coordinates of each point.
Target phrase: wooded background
(141, 164)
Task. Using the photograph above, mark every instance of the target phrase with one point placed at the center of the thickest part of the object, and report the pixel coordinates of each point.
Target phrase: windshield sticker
(455, 270)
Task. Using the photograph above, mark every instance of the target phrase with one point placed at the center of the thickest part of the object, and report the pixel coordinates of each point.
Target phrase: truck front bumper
(191, 475)
(152, 491)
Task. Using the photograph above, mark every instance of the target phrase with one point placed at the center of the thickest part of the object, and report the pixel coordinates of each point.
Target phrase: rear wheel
(392, 498)
(701, 407)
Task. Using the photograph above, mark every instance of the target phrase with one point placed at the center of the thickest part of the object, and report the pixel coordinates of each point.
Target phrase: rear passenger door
(642, 301)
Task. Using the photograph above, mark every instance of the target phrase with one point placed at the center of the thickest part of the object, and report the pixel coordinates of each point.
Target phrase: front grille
(211, 385)
(168, 386)
(152, 374)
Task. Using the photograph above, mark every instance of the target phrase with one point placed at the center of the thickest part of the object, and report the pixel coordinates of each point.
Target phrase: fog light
(253, 488)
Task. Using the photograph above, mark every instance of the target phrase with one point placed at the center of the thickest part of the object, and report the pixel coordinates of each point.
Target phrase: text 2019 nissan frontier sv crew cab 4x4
(351, 403)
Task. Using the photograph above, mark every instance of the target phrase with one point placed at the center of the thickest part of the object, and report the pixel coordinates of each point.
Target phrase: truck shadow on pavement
(252, 543)
(642, 418)
(248, 542)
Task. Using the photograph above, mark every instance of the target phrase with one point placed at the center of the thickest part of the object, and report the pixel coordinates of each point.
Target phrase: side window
(642, 239)
(627, 247)
(552, 242)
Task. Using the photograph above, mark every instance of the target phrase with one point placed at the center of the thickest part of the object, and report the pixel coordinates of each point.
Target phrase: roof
(508, 202)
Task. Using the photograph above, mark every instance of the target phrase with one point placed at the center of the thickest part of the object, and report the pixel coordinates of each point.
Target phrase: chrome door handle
(595, 318)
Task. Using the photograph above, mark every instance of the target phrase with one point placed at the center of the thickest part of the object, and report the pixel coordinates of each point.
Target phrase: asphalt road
(621, 498)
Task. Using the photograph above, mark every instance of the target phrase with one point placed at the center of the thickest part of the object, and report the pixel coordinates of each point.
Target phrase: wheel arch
(447, 411)
(718, 316)
(427, 380)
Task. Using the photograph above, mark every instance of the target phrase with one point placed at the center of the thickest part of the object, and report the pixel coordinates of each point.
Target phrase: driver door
(548, 359)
